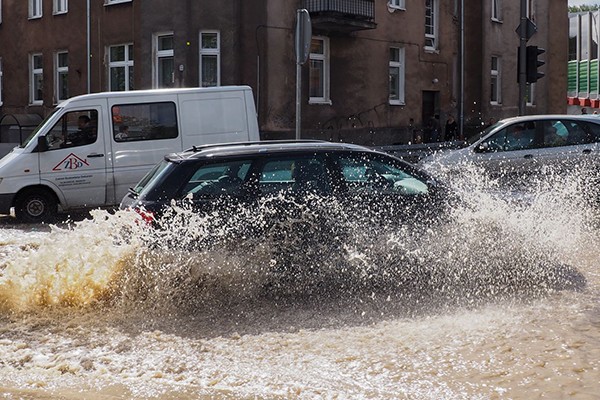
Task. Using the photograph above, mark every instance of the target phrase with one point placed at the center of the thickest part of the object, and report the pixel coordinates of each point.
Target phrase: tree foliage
(583, 8)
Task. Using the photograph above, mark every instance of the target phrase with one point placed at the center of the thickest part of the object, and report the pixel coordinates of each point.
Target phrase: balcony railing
(341, 15)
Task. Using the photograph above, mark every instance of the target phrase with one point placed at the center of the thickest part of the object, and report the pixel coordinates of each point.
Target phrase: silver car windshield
(477, 136)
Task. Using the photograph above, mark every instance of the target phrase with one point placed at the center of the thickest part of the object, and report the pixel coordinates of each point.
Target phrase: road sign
(303, 36)
(530, 29)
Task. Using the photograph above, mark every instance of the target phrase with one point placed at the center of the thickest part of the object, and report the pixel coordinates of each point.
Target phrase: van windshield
(37, 128)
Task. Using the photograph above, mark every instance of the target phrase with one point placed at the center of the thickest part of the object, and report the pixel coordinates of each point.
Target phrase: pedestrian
(451, 129)
(583, 111)
(434, 129)
(490, 122)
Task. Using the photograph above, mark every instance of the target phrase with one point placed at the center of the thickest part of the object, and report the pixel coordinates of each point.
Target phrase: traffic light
(533, 63)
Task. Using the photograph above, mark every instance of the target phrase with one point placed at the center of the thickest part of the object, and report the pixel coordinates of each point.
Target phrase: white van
(92, 148)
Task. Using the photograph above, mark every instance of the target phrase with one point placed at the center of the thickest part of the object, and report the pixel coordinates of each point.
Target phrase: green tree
(583, 8)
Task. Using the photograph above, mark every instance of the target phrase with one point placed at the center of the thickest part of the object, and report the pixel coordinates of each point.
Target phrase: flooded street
(502, 303)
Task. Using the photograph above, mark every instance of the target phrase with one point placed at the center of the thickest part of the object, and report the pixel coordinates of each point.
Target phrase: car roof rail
(196, 149)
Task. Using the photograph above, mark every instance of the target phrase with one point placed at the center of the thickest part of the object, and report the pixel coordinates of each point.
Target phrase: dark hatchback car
(370, 184)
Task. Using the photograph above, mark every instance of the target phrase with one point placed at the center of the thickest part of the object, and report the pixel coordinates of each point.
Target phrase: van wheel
(35, 206)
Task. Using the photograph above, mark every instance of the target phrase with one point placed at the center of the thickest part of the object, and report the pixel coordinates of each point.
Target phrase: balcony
(341, 16)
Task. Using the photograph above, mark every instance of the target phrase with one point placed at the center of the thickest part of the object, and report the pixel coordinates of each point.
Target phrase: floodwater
(501, 302)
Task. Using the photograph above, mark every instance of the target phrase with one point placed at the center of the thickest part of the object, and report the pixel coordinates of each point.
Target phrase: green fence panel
(572, 76)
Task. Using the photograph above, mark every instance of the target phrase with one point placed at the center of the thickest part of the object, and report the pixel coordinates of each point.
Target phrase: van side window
(75, 128)
(144, 121)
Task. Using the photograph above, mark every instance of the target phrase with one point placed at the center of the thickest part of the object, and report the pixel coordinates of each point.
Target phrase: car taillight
(147, 216)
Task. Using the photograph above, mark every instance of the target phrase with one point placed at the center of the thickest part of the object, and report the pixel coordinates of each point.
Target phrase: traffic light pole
(522, 57)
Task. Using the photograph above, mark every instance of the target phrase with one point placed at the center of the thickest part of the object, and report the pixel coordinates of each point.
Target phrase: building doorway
(430, 108)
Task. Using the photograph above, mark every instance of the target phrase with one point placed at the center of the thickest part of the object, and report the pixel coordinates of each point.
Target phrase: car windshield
(474, 138)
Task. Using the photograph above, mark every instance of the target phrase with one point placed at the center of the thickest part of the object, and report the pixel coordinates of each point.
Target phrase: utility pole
(522, 57)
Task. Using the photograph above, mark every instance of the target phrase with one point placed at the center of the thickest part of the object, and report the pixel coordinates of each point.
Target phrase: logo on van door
(71, 162)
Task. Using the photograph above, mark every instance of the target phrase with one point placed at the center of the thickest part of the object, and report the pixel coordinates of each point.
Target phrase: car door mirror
(483, 147)
(42, 144)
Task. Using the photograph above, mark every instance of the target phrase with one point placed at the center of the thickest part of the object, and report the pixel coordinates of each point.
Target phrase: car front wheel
(35, 206)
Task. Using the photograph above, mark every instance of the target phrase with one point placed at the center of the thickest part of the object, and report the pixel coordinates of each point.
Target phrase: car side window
(563, 133)
(75, 128)
(593, 131)
(217, 179)
(297, 174)
(378, 174)
(521, 136)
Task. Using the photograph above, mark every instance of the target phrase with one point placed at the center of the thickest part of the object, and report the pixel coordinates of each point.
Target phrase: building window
(431, 7)
(496, 75)
(36, 84)
(61, 77)
(164, 67)
(61, 6)
(496, 10)
(319, 70)
(120, 67)
(397, 4)
(530, 94)
(529, 12)
(35, 8)
(210, 59)
(396, 76)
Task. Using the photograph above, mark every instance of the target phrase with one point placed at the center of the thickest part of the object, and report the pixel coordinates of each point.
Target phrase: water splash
(492, 246)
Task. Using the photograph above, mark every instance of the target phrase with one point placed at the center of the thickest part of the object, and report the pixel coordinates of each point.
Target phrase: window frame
(162, 55)
(209, 52)
(58, 72)
(60, 7)
(496, 12)
(400, 64)
(127, 64)
(33, 72)
(35, 9)
(496, 81)
(433, 11)
(530, 93)
(325, 83)
(397, 4)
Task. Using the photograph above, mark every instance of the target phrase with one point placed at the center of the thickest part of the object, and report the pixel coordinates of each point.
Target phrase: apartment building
(376, 67)
(491, 43)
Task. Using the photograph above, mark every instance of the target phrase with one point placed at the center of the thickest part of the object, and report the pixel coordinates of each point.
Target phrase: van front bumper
(6, 201)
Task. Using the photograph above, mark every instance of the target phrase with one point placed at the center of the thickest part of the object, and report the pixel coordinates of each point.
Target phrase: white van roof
(130, 93)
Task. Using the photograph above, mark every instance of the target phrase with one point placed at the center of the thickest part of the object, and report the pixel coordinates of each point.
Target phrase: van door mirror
(42, 144)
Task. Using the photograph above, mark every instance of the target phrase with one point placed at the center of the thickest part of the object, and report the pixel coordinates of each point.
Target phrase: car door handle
(587, 151)
(528, 156)
(95, 155)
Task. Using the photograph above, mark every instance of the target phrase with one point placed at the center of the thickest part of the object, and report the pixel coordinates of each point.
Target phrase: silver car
(528, 145)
